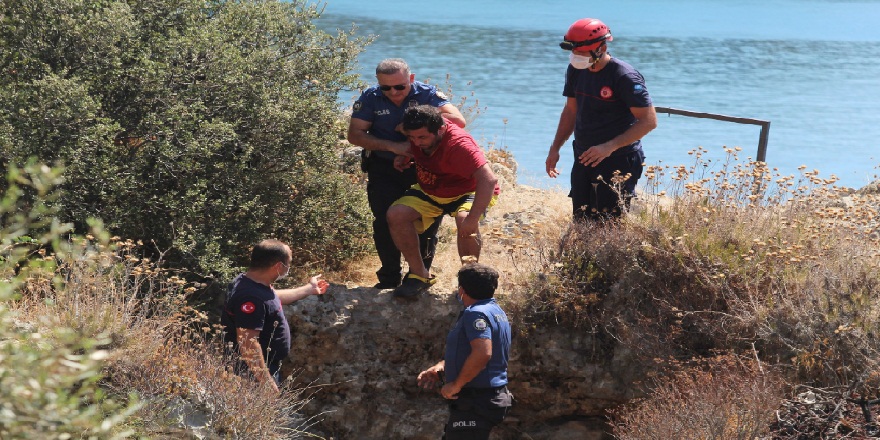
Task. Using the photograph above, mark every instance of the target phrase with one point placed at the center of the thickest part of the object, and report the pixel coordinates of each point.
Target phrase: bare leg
(403, 232)
(467, 246)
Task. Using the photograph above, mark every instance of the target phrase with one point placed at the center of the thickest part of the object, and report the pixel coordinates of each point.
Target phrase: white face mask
(579, 61)
(281, 276)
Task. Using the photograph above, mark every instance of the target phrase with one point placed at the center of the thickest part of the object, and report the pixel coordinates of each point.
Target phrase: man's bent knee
(399, 214)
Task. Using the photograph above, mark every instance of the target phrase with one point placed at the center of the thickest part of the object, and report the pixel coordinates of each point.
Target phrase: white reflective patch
(480, 324)
(442, 95)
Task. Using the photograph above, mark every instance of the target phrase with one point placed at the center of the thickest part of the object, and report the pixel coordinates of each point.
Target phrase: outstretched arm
(316, 286)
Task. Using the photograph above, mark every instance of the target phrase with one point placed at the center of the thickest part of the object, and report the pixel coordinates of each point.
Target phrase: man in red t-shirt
(454, 178)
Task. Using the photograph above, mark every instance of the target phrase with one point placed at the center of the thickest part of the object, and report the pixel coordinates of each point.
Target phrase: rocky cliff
(362, 349)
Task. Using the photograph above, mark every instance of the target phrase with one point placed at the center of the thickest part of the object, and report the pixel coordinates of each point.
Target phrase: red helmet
(586, 33)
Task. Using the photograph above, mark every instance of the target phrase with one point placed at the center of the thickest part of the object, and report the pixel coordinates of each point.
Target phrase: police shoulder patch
(357, 106)
(442, 95)
(480, 324)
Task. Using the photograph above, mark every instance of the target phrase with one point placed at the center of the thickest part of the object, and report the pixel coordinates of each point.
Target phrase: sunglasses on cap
(395, 87)
(571, 45)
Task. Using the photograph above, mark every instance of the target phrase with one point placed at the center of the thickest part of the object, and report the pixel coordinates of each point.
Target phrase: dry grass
(723, 259)
(730, 258)
(161, 349)
(794, 263)
(188, 378)
(725, 398)
(98, 291)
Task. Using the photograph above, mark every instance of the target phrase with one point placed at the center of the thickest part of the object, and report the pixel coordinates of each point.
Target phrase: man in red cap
(609, 110)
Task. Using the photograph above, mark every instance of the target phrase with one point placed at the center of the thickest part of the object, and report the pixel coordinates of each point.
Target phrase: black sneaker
(382, 285)
(413, 285)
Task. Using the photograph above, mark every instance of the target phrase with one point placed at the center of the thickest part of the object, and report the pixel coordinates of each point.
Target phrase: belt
(626, 149)
(474, 391)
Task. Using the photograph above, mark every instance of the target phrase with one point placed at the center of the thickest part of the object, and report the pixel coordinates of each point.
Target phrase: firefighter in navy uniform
(475, 363)
(255, 328)
(609, 110)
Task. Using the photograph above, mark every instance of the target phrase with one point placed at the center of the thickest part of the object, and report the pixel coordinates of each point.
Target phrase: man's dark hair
(423, 116)
(268, 252)
(478, 280)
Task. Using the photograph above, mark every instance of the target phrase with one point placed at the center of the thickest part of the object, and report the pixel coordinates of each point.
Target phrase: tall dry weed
(724, 398)
(187, 380)
(722, 256)
(159, 347)
(102, 287)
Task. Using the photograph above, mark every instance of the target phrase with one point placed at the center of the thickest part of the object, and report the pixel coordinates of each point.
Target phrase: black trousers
(241, 368)
(384, 187)
(594, 199)
(476, 411)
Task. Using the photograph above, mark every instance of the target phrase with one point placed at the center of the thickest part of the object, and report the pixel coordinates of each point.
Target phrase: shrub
(97, 341)
(720, 257)
(200, 126)
(725, 399)
(49, 372)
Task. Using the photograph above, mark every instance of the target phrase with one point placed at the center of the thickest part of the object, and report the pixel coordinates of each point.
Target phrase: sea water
(810, 67)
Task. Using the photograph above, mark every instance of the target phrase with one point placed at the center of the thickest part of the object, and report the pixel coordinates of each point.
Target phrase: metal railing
(765, 125)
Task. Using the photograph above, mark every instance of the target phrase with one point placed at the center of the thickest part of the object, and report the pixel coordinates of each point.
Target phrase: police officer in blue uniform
(475, 364)
(375, 126)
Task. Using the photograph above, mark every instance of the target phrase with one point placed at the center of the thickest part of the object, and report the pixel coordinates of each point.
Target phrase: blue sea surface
(810, 67)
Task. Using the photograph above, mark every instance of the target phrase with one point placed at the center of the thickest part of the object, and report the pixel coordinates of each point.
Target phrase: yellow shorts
(431, 207)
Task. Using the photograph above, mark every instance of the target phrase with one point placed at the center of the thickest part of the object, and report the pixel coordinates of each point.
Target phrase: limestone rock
(363, 349)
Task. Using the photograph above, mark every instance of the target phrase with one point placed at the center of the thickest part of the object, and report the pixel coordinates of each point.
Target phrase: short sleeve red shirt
(449, 171)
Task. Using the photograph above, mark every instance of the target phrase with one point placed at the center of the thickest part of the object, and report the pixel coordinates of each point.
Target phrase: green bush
(49, 373)
(203, 126)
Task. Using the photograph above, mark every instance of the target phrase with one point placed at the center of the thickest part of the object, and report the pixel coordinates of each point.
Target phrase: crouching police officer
(475, 363)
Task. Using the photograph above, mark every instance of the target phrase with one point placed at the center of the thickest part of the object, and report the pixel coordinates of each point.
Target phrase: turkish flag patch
(248, 307)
